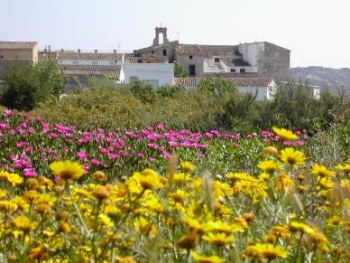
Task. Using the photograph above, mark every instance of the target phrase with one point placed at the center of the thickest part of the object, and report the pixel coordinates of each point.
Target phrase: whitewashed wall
(158, 74)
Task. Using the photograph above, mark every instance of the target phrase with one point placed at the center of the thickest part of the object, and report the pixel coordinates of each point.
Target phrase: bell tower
(160, 31)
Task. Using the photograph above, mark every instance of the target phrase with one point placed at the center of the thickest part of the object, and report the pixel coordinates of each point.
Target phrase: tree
(29, 84)
(180, 71)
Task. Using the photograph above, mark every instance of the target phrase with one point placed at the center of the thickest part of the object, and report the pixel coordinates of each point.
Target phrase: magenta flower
(29, 172)
(95, 162)
(82, 155)
(152, 159)
(140, 155)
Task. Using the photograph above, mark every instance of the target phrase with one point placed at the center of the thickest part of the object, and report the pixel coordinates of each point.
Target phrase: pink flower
(54, 135)
(8, 112)
(95, 162)
(299, 143)
(152, 159)
(82, 155)
(140, 155)
(114, 156)
(29, 172)
(287, 143)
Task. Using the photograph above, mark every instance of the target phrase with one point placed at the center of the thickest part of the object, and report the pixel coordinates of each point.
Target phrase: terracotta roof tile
(240, 82)
(113, 71)
(16, 45)
(206, 50)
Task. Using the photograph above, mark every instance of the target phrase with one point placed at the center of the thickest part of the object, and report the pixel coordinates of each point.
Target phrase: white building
(157, 74)
(263, 88)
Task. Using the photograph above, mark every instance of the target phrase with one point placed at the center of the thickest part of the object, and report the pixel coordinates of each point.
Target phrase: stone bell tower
(160, 31)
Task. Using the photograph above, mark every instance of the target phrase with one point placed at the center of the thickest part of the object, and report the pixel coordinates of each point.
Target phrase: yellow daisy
(284, 134)
(67, 170)
(292, 157)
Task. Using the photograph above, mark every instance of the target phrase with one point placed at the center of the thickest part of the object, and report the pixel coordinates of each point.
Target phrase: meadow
(157, 194)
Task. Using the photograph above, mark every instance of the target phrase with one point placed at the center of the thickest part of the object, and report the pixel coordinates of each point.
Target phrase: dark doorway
(192, 70)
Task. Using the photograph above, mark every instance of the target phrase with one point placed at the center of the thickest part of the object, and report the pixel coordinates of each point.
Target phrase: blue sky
(316, 31)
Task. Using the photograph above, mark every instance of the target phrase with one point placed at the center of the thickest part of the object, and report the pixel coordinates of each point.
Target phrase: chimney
(96, 50)
(114, 51)
(79, 50)
(49, 48)
(62, 50)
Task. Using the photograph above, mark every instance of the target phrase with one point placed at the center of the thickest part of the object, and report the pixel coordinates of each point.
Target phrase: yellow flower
(267, 251)
(3, 193)
(270, 166)
(284, 134)
(321, 171)
(100, 192)
(187, 166)
(125, 260)
(67, 170)
(218, 239)
(344, 168)
(195, 226)
(205, 259)
(334, 221)
(180, 178)
(270, 150)
(39, 253)
(318, 239)
(270, 251)
(148, 179)
(12, 178)
(188, 241)
(8, 206)
(292, 157)
(295, 226)
(283, 182)
(105, 220)
(23, 223)
(179, 196)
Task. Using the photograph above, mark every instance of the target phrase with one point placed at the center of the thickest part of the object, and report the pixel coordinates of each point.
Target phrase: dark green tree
(29, 84)
(180, 71)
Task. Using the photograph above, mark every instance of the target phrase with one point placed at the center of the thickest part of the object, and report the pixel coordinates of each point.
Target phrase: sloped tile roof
(240, 82)
(16, 45)
(152, 58)
(205, 50)
(113, 71)
(93, 56)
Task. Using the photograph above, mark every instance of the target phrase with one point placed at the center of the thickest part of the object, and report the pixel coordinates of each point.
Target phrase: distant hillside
(323, 77)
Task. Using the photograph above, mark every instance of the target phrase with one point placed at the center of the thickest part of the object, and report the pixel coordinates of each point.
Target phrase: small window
(242, 70)
(133, 78)
(216, 60)
(152, 51)
(1, 57)
(164, 52)
(190, 57)
(233, 70)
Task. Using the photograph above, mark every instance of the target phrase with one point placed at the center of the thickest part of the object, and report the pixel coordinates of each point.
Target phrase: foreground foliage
(214, 104)
(164, 196)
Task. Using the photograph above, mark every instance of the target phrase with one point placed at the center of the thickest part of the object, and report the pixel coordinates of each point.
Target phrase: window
(153, 82)
(164, 52)
(1, 57)
(233, 70)
(190, 57)
(192, 70)
(242, 70)
(216, 60)
(133, 78)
